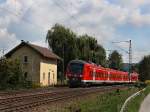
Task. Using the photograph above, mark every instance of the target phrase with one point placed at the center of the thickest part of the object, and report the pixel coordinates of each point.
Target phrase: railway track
(23, 102)
(30, 91)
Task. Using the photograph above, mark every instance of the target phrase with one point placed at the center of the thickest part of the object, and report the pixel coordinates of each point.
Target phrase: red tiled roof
(45, 52)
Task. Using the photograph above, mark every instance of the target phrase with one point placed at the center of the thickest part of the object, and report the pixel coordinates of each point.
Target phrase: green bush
(11, 75)
(36, 85)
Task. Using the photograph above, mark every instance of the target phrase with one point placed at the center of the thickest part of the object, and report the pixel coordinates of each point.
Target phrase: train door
(108, 78)
(94, 74)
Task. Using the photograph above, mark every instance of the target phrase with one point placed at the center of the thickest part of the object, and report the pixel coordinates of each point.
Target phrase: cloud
(7, 40)
(99, 18)
(40, 43)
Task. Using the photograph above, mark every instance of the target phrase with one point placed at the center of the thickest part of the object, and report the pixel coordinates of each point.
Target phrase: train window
(91, 73)
(101, 75)
(109, 75)
(97, 74)
(76, 68)
(125, 77)
(104, 75)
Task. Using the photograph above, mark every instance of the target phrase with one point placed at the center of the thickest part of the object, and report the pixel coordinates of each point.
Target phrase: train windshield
(76, 68)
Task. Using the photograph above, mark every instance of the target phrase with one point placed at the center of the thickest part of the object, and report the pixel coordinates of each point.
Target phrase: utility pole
(110, 51)
(130, 55)
(130, 58)
(63, 63)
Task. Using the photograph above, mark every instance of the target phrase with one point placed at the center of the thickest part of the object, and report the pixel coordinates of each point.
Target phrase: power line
(74, 5)
(22, 18)
(120, 42)
(58, 5)
(129, 53)
(11, 12)
(18, 15)
(121, 49)
(66, 11)
(79, 2)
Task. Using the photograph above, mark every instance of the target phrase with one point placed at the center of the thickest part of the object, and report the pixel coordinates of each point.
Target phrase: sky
(107, 20)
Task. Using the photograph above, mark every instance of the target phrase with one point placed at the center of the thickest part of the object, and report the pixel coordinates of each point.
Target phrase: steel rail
(57, 97)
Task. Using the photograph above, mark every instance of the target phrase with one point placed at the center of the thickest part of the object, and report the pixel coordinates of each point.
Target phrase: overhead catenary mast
(130, 55)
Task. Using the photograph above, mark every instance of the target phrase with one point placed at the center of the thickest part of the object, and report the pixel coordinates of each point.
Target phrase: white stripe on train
(107, 81)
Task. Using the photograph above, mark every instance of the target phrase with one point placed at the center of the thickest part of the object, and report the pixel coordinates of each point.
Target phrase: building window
(25, 75)
(25, 60)
(43, 76)
(49, 78)
(48, 75)
(53, 76)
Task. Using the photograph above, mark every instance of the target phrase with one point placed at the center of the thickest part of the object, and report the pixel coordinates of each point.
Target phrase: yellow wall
(36, 66)
(48, 67)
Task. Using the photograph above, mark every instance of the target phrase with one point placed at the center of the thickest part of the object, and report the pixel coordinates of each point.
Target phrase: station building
(38, 64)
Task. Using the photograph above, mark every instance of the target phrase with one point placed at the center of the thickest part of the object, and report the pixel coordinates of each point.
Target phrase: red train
(83, 73)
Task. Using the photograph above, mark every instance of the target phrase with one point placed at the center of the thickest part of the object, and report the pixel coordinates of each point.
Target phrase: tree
(115, 60)
(66, 44)
(86, 46)
(100, 55)
(62, 41)
(10, 74)
(90, 50)
(144, 68)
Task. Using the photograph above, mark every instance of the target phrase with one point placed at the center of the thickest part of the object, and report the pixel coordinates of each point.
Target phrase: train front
(74, 73)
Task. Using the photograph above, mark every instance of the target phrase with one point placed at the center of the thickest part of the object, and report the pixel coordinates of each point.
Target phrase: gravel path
(145, 106)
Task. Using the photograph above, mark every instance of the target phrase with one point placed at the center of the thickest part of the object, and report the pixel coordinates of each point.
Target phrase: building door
(49, 78)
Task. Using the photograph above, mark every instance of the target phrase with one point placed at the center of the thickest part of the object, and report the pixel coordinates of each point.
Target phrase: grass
(134, 104)
(107, 102)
